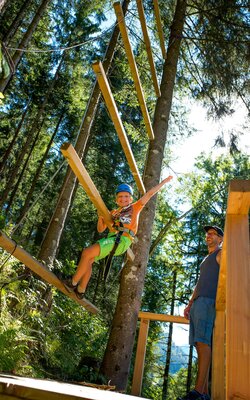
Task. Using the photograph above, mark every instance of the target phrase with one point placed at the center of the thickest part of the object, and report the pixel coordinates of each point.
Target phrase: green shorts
(107, 244)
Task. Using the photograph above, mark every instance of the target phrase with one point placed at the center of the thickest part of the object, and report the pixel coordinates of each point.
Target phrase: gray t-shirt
(208, 280)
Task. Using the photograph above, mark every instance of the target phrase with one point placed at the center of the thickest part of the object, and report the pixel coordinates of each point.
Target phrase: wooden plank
(163, 317)
(239, 197)
(133, 67)
(140, 358)
(41, 389)
(110, 102)
(159, 28)
(238, 306)
(221, 288)
(148, 46)
(40, 269)
(218, 364)
(85, 180)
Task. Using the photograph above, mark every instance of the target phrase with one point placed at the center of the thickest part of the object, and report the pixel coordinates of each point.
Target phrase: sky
(207, 131)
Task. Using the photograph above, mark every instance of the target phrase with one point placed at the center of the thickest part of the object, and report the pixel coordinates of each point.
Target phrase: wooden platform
(40, 269)
(14, 387)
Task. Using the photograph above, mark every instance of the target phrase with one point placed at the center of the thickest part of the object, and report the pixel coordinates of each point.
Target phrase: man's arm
(218, 257)
(187, 309)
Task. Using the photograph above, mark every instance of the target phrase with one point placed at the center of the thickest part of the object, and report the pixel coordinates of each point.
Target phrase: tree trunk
(24, 43)
(190, 364)
(54, 231)
(38, 121)
(169, 344)
(17, 22)
(13, 141)
(37, 174)
(2, 3)
(117, 358)
(24, 167)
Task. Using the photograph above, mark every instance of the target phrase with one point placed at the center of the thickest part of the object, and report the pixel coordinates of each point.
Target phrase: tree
(118, 353)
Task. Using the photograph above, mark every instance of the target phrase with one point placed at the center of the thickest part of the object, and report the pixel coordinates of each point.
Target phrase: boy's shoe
(79, 295)
(193, 395)
(69, 285)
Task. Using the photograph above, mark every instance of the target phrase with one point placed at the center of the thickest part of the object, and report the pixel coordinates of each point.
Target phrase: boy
(126, 218)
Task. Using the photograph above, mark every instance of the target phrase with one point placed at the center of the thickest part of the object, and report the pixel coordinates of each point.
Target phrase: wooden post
(110, 102)
(140, 358)
(238, 308)
(41, 270)
(159, 28)
(85, 180)
(231, 358)
(148, 46)
(218, 350)
(133, 68)
(218, 356)
(237, 292)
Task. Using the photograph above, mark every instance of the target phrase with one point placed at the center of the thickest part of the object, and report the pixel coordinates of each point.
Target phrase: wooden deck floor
(15, 387)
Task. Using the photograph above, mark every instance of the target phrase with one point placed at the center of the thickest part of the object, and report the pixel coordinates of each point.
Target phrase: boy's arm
(147, 196)
(101, 225)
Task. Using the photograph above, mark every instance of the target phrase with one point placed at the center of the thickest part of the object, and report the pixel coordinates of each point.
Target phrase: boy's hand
(168, 178)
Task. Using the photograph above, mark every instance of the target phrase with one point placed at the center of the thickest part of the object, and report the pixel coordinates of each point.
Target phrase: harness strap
(111, 255)
(122, 229)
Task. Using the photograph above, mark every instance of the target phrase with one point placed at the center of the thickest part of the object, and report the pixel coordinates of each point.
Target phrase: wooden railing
(145, 318)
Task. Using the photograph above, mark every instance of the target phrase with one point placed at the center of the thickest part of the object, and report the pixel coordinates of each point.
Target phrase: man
(201, 311)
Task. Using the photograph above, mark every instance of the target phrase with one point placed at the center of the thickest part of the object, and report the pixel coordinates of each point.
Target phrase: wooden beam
(163, 317)
(110, 102)
(238, 306)
(239, 197)
(17, 387)
(148, 46)
(218, 350)
(40, 269)
(159, 28)
(231, 362)
(133, 67)
(85, 180)
(140, 358)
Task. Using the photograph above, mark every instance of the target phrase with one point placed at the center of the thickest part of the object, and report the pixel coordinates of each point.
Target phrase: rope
(8, 257)
(61, 49)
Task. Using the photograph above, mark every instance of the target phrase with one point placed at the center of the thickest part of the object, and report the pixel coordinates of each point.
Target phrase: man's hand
(187, 310)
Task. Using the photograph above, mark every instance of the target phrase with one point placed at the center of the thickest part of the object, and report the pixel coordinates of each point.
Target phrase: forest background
(51, 46)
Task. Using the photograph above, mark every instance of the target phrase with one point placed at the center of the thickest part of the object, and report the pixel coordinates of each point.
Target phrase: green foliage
(42, 332)
(13, 345)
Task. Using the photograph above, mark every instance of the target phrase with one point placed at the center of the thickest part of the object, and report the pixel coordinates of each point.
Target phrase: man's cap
(216, 228)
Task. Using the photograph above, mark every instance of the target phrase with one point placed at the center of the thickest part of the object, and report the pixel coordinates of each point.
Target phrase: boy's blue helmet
(124, 187)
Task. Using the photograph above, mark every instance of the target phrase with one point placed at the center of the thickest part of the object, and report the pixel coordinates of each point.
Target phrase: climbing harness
(118, 225)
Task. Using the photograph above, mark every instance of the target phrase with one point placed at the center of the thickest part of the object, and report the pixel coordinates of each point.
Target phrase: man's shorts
(107, 244)
(202, 315)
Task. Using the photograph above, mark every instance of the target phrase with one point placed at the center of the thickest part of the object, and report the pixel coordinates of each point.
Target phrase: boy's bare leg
(86, 277)
(85, 265)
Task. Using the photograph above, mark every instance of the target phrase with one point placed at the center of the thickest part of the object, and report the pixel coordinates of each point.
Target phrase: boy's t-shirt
(128, 216)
